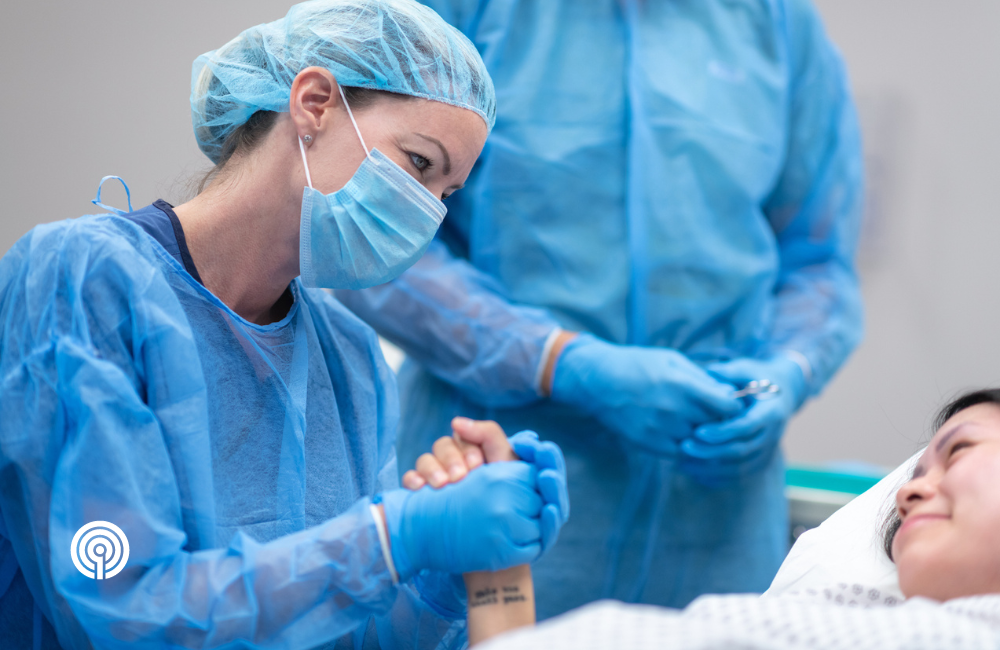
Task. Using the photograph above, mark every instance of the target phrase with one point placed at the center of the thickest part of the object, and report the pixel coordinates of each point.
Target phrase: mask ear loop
(302, 148)
(351, 115)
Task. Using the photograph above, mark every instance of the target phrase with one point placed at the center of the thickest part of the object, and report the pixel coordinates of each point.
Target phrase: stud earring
(308, 139)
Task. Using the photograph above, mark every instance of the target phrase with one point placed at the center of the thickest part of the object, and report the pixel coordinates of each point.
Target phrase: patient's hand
(472, 443)
(499, 601)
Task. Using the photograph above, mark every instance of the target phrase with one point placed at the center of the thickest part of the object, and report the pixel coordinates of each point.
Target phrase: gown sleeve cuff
(383, 540)
(543, 361)
(802, 362)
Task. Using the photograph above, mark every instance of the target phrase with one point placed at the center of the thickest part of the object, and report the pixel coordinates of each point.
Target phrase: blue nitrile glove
(744, 444)
(488, 521)
(548, 461)
(654, 397)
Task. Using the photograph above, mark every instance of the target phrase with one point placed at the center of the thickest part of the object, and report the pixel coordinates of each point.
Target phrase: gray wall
(95, 88)
(926, 77)
(101, 87)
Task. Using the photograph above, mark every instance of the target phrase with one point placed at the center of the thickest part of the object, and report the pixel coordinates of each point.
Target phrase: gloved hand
(548, 461)
(476, 442)
(722, 451)
(654, 397)
(490, 520)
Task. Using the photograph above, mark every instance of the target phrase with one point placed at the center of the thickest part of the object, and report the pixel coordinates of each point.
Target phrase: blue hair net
(393, 45)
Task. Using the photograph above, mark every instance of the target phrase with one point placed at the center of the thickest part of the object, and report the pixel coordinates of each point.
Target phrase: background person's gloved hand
(654, 397)
(490, 520)
(723, 451)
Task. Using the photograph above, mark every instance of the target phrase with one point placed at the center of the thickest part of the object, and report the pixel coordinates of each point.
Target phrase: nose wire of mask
(302, 147)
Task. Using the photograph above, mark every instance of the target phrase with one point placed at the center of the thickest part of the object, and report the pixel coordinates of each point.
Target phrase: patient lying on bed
(943, 535)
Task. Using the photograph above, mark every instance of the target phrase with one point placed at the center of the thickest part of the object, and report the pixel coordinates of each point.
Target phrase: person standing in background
(667, 210)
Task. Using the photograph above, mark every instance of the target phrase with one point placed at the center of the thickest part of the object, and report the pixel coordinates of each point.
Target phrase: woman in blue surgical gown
(197, 446)
(666, 211)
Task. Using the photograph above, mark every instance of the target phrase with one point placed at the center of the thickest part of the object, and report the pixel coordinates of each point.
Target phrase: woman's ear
(314, 96)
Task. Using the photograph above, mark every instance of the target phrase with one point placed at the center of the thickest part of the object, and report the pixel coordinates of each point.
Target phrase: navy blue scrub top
(162, 224)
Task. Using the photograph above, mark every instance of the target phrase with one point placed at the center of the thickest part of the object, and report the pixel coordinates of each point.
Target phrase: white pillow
(847, 547)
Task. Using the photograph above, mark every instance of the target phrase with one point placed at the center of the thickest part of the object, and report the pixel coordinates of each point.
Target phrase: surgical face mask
(371, 230)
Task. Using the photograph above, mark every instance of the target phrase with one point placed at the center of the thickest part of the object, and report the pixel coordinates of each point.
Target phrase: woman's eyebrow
(444, 152)
(948, 436)
(919, 470)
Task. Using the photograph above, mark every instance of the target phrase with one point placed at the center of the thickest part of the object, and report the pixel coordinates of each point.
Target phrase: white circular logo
(99, 550)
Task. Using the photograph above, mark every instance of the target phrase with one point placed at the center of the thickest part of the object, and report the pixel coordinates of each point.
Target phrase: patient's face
(949, 542)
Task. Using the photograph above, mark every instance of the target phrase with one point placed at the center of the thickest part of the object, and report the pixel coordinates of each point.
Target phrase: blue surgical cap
(393, 45)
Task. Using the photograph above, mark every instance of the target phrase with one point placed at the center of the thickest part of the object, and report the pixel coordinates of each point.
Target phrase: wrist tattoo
(485, 596)
(490, 596)
(513, 594)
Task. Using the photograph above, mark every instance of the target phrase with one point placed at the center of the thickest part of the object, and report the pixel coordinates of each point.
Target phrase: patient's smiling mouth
(915, 521)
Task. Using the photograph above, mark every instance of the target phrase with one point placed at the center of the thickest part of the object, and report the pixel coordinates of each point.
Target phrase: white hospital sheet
(842, 617)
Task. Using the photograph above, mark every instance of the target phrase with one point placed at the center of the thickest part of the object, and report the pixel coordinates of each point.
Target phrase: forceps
(759, 389)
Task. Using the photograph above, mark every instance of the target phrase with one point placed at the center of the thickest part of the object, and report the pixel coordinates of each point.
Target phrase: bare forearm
(499, 601)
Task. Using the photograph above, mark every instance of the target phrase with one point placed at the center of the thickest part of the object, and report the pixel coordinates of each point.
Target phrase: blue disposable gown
(238, 459)
(676, 174)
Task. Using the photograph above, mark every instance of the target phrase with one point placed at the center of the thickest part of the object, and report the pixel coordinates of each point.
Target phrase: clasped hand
(478, 503)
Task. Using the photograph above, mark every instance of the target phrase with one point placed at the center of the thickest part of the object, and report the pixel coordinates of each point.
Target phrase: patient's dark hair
(891, 523)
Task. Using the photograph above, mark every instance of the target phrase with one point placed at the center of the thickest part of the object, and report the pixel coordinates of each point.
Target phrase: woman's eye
(419, 162)
(958, 446)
